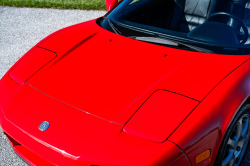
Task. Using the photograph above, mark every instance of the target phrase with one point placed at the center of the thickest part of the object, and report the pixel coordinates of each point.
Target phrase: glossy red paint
(206, 126)
(153, 115)
(77, 138)
(32, 62)
(110, 4)
(122, 80)
(26, 154)
(88, 95)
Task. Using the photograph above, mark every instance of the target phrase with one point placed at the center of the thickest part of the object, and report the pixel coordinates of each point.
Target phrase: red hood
(110, 76)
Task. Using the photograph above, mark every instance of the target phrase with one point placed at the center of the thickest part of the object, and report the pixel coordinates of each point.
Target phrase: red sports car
(151, 83)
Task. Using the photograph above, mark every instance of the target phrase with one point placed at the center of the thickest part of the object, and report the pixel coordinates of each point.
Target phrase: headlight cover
(160, 115)
(32, 62)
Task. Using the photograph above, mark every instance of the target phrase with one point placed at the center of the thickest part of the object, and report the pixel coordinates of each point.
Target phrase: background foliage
(61, 4)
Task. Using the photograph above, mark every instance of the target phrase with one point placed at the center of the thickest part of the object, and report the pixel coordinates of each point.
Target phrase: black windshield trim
(181, 37)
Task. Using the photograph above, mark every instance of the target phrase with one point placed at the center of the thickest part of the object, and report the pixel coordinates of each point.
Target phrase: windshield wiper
(112, 26)
(164, 41)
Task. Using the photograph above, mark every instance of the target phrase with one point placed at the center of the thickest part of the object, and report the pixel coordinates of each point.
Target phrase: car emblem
(44, 126)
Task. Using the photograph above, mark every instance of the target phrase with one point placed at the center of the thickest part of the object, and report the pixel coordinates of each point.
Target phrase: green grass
(60, 4)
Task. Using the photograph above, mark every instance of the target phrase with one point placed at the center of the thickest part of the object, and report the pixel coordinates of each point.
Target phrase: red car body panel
(95, 85)
(84, 139)
(154, 115)
(31, 64)
(123, 80)
(214, 115)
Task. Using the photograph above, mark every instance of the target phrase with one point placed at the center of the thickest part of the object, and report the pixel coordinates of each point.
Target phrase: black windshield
(170, 20)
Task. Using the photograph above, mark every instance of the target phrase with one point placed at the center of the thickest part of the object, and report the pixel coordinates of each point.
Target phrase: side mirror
(110, 4)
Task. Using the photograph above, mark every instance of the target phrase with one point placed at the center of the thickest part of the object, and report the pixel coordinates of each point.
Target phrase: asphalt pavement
(20, 30)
